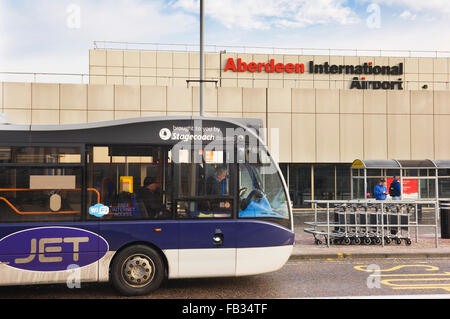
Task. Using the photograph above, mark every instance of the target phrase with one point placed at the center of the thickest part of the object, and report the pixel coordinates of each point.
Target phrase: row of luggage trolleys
(365, 223)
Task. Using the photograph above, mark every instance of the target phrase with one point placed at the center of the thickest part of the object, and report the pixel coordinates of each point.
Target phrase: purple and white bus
(136, 201)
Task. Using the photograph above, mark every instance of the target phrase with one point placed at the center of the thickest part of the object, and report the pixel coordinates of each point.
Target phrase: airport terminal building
(331, 107)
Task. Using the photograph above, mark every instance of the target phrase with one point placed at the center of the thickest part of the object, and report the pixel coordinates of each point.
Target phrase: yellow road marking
(410, 281)
(389, 282)
(339, 256)
(410, 275)
(361, 268)
(421, 287)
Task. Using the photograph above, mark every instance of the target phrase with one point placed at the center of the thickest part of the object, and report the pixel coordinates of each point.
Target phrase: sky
(56, 35)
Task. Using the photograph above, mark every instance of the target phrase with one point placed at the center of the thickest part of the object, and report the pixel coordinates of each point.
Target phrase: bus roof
(107, 132)
(247, 122)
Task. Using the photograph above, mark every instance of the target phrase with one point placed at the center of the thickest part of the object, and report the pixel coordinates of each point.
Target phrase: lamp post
(202, 21)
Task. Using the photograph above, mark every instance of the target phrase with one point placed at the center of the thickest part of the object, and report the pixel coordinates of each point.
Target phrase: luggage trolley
(370, 219)
(347, 232)
(398, 220)
(366, 223)
(341, 234)
(335, 231)
(356, 217)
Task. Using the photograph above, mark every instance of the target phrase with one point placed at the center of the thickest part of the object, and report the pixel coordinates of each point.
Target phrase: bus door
(264, 220)
(205, 205)
(135, 199)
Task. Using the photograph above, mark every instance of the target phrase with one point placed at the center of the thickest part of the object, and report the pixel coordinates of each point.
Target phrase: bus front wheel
(137, 270)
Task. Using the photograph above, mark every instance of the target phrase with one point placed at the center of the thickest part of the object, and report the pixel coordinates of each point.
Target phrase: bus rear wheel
(137, 270)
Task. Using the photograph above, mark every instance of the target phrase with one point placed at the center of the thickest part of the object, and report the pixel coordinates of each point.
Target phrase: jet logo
(43, 242)
(51, 248)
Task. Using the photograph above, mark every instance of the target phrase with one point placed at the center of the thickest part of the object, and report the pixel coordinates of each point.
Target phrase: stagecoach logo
(165, 134)
(190, 133)
(51, 248)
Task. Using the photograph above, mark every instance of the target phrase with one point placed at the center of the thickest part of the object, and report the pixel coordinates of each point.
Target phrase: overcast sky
(55, 35)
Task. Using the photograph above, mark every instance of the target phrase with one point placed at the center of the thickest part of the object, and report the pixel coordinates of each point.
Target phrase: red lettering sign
(230, 66)
(269, 67)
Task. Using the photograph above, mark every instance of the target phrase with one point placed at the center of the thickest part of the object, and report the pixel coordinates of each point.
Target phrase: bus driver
(216, 184)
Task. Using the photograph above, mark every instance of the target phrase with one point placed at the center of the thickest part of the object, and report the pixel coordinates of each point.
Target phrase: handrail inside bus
(42, 213)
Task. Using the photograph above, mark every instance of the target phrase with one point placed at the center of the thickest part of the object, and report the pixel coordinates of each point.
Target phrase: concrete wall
(174, 68)
(315, 125)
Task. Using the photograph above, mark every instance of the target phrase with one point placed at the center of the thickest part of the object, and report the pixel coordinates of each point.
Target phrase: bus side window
(43, 183)
(131, 182)
(203, 191)
(40, 194)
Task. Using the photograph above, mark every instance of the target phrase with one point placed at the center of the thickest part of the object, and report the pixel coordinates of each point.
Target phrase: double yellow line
(409, 281)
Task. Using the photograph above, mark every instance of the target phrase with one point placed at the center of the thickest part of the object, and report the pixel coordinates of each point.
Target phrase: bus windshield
(261, 192)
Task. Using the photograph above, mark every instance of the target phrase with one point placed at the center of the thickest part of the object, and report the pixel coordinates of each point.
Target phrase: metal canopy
(442, 164)
(418, 164)
(394, 164)
(376, 164)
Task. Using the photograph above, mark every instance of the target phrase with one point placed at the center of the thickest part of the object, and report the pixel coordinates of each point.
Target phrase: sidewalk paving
(305, 248)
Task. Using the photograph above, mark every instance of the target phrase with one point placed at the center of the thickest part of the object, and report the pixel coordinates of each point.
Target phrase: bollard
(444, 209)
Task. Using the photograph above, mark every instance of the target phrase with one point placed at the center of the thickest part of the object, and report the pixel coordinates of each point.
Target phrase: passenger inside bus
(151, 197)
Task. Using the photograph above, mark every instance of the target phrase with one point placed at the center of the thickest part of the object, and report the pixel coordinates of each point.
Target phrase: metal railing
(379, 232)
(82, 78)
(213, 48)
(44, 77)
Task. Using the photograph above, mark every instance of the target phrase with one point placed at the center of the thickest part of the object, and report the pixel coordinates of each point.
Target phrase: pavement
(425, 247)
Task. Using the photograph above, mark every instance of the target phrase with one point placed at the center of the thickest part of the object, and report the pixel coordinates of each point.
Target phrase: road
(297, 279)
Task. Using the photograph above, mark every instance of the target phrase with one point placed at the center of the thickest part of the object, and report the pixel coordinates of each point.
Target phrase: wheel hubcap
(138, 270)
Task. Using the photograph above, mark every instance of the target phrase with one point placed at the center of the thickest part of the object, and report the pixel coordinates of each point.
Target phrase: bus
(133, 202)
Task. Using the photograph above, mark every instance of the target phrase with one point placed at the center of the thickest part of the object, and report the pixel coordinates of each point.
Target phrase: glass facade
(324, 182)
(343, 190)
(299, 184)
(317, 182)
(333, 182)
